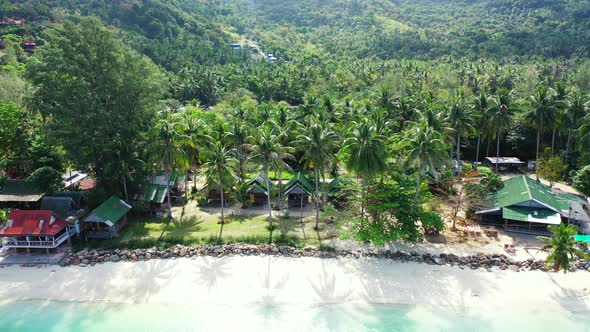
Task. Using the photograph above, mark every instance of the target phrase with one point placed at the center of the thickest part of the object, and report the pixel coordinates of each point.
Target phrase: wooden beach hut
(107, 220)
(298, 191)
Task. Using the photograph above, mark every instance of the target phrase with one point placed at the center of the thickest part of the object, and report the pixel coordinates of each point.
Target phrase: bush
(432, 222)
(272, 227)
(201, 200)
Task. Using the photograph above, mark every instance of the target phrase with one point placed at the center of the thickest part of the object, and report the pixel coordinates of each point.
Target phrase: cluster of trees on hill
(392, 91)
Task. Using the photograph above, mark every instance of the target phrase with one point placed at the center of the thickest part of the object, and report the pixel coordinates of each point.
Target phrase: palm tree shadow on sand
(269, 307)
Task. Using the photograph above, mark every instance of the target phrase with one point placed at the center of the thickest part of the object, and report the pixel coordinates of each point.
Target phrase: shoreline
(487, 262)
(309, 293)
(283, 281)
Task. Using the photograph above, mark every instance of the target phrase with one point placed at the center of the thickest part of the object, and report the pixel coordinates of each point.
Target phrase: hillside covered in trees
(121, 88)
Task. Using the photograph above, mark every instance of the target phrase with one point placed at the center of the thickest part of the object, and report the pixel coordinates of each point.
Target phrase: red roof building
(35, 229)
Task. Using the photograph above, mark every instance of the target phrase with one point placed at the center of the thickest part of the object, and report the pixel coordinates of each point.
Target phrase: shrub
(432, 222)
(201, 200)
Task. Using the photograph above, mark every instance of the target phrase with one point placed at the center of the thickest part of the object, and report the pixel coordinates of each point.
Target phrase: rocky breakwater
(488, 262)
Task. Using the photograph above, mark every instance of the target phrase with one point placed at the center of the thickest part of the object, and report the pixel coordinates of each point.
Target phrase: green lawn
(196, 227)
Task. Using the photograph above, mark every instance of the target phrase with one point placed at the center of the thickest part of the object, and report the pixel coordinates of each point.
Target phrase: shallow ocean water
(70, 316)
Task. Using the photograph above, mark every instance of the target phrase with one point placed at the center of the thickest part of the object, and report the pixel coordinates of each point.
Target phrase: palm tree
(426, 152)
(542, 112)
(219, 167)
(365, 149)
(197, 138)
(501, 117)
(238, 134)
(562, 246)
(576, 108)
(124, 160)
(172, 139)
(318, 143)
(481, 107)
(460, 119)
(265, 149)
(560, 101)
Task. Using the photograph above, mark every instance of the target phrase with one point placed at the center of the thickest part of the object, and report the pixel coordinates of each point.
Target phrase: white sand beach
(303, 281)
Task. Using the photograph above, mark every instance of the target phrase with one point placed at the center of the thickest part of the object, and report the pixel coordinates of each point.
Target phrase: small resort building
(107, 220)
(72, 179)
(19, 194)
(298, 191)
(39, 229)
(525, 205)
(506, 164)
(258, 190)
(156, 196)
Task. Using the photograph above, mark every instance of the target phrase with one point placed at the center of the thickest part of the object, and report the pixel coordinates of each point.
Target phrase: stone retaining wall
(488, 262)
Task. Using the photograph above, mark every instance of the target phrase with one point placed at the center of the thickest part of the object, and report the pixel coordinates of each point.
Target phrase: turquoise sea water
(57, 316)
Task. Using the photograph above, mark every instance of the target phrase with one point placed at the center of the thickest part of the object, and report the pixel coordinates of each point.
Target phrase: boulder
(114, 258)
(513, 268)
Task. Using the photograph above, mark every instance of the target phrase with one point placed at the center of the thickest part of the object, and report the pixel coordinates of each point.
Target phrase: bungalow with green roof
(107, 220)
(63, 207)
(176, 182)
(19, 194)
(258, 190)
(527, 206)
(298, 190)
(156, 196)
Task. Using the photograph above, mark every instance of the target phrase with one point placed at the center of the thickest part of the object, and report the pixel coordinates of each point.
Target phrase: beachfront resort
(335, 165)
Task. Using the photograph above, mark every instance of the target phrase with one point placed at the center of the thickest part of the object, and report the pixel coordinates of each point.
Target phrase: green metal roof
(533, 215)
(155, 193)
(18, 187)
(261, 182)
(523, 189)
(109, 212)
(582, 238)
(19, 191)
(302, 181)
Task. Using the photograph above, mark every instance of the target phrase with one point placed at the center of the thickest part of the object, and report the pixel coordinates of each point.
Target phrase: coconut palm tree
(576, 108)
(460, 118)
(562, 246)
(426, 150)
(481, 107)
(219, 168)
(238, 134)
(501, 117)
(195, 130)
(365, 151)
(265, 149)
(560, 101)
(542, 112)
(172, 140)
(318, 143)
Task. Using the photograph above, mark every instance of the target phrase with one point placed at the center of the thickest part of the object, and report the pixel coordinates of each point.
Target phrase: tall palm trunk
(417, 191)
(458, 153)
(317, 201)
(280, 188)
(268, 198)
(567, 144)
(363, 195)
(168, 194)
(553, 141)
(125, 187)
(222, 208)
(477, 151)
(537, 154)
(497, 151)
(488, 147)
